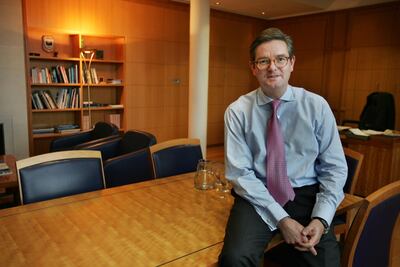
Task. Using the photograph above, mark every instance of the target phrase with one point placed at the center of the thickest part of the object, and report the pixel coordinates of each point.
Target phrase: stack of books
(67, 128)
(43, 130)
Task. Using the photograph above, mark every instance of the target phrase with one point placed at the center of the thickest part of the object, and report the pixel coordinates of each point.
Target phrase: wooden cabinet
(381, 164)
(75, 83)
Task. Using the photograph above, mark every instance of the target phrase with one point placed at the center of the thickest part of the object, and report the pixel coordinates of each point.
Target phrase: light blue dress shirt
(313, 149)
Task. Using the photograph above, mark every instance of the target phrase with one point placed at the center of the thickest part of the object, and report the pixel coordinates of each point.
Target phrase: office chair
(176, 156)
(378, 113)
(102, 130)
(369, 240)
(130, 141)
(128, 168)
(59, 174)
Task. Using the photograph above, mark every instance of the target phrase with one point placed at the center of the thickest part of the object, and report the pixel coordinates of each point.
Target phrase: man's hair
(269, 35)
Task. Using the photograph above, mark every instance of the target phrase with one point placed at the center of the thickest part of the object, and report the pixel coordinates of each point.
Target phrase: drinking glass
(204, 178)
(222, 185)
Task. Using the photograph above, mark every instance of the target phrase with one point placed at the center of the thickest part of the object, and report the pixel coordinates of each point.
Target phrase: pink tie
(277, 180)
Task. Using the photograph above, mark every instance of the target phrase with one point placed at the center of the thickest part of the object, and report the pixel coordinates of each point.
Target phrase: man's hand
(312, 233)
(292, 231)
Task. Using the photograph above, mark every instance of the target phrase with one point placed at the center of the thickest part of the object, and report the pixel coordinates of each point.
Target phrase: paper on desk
(372, 132)
(358, 132)
(394, 133)
(341, 128)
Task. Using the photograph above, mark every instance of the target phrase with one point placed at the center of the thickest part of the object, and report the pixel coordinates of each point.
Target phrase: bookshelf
(79, 82)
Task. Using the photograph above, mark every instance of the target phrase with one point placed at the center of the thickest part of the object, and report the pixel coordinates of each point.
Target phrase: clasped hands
(302, 238)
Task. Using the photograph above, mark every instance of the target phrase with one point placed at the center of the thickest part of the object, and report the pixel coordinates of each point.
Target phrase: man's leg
(246, 236)
(328, 249)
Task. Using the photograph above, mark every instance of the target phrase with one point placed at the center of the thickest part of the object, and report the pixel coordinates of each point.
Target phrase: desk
(9, 183)
(159, 222)
(381, 164)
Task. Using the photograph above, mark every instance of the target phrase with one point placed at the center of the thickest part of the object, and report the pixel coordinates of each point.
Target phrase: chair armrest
(69, 141)
(97, 141)
(108, 146)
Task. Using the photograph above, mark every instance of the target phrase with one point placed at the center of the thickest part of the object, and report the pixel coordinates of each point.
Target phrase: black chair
(175, 157)
(369, 240)
(378, 113)
(128, 168)
(102, 130)
(59, 174)
(130, 141)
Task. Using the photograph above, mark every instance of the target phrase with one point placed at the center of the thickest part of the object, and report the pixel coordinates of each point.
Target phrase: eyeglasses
(280, 62)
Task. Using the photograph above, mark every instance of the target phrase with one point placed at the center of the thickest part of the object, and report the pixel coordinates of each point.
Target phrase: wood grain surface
(159, 222)
(145, 224)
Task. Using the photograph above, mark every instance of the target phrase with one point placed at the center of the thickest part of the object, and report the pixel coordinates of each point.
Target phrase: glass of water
(222, 185)
(204, 178)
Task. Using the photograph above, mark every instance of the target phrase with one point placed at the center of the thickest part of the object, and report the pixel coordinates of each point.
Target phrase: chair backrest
(175, 157)
(134, 140)
(103, 129)
(128, 168)
(354, 160)
(59, 174)
(379, 112)
(368, 242)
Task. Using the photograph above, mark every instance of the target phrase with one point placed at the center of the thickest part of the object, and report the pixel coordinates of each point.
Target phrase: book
(114, 119)
(43, 130)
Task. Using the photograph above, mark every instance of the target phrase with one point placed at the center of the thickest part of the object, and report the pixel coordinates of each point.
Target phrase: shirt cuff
(324, 211)
(272, 214)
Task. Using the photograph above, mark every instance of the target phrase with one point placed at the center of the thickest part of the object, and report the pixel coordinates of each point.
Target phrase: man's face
(273, 79)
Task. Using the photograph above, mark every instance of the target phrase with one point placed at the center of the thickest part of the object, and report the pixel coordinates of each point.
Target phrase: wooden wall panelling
(335, 51)
(229, 75)
(370, 58)
(308, 34)
(381, 164)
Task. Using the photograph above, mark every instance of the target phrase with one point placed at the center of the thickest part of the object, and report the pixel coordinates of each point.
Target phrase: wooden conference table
(163, 222)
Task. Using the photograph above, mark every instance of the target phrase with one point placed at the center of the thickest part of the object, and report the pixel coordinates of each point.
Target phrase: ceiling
(274, 9)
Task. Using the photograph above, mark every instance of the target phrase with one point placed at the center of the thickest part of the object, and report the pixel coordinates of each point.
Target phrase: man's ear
(292, 60)
(253, 67)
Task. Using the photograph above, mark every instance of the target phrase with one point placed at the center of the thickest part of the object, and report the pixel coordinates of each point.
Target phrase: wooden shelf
(40, 58)
(102, 108)
(103, 85)
(51, 135)
(104, 61)
(56, 85)
(56, 110)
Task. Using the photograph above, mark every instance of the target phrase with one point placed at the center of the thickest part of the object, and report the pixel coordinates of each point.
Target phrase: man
(315, 170)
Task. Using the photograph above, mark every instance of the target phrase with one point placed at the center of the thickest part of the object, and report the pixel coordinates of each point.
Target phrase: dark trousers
(247, 235)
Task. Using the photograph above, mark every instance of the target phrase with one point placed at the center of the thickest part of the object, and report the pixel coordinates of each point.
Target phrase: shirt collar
(262, 99)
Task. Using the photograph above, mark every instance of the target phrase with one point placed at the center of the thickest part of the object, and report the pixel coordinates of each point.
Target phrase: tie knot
(275, 104)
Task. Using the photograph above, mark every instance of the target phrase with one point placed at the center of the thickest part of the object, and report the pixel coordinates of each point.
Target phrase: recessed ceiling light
(262, 13)
(217, 3)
